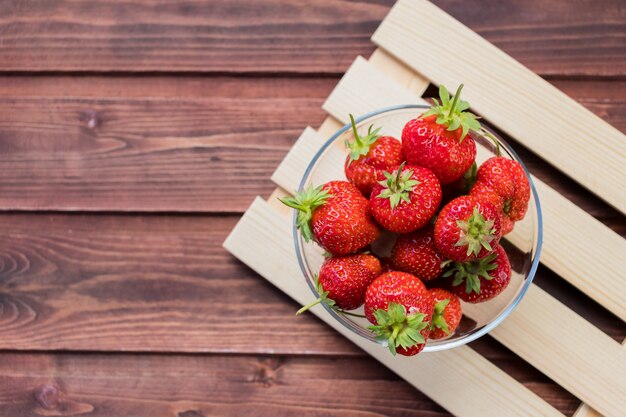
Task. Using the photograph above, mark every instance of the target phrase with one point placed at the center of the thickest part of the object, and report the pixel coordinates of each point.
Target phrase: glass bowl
(523, 245)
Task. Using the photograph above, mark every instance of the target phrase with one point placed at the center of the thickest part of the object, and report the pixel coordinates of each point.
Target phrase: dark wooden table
(133, 134)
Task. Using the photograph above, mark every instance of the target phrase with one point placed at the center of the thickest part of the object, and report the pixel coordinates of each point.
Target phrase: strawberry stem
(309, 306)
(347, 313)
(493, 139)
(362, 144)
(398, 176)
(455, 101)
(357, 139)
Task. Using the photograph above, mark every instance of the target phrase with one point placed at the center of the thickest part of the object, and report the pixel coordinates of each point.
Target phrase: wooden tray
(542, 331)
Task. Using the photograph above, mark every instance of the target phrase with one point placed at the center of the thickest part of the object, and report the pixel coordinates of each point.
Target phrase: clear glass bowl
(523, 245)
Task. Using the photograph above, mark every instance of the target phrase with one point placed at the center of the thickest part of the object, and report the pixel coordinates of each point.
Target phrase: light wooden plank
(504, 91)
(563, 251)
(291, 169)
(527, 326)
(584, 410)
(399, 72)
(460, 380)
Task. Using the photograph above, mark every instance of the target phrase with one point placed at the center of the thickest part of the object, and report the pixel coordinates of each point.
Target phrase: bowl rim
(500, 317)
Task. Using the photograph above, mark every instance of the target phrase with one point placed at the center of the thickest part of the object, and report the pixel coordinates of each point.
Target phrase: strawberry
(400, 307)
(507, 179)
(343, 280)
(446, 314)
(406, 199)
(485, 193)
(417, 254)
(467, 229)
(370, 155)
(336, 215)
(484, 278)
(438, 138)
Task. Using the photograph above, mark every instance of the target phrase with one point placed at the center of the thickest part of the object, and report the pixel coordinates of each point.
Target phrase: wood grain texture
(552, 38)
(575, 263)
(186, 386)
(209, 152)
(519, 101)
(159, 133)
(190, 35)
(584, 410)
(144, 283)
(455, 379)
(100, 385)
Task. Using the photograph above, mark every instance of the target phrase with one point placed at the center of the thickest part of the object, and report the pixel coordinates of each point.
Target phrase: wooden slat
(144, 152)
(575, 262)
(454, 379)
(277, 36)
(125, 385)
(515, 332)
(584, 410)
(144, 284)
(511, 96)
(188, 36)
(157, 134)
(177, 87)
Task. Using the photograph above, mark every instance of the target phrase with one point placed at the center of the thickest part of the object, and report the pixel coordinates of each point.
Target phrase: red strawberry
(484, 278)
(446, 314)
(467, 228)
(337, 215)
(438, 140)
(369, 155)
(405, 200)
(400, 307)
(417, 254)
(486, 193)
(343, 280)
(508, 179)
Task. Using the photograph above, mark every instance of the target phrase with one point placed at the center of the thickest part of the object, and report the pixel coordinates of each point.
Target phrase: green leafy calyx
(306, 202)
(398, 186)
(397, 328)
(471, 272)
(323, 298)
(438, 320)
(361, 144)
(451, 112)
(476, 233)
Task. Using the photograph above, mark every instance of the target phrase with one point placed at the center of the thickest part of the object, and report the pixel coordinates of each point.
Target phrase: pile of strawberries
(448, 213)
